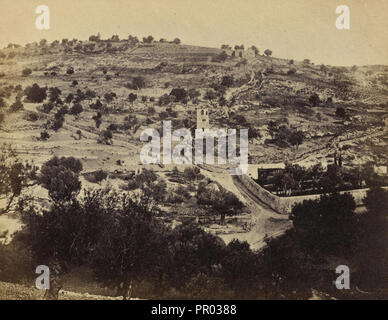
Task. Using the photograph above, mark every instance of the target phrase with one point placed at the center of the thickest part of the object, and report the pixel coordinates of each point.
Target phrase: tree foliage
(60, 177)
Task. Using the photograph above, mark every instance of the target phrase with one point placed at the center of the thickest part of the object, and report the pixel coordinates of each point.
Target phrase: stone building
(203, 118)
(241, 53)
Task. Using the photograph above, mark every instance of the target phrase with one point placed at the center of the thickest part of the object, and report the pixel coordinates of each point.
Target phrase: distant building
(255, 171)
(203, 118)
(241, 53)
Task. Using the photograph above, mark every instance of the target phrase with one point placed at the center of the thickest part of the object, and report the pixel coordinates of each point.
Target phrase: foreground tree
(14, 175)
(60, 177)
(372, 254)
(326, 225)
(222, 202)
(131, 246)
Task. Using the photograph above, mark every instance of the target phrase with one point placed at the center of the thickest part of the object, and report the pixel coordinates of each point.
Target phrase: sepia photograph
(193, 150)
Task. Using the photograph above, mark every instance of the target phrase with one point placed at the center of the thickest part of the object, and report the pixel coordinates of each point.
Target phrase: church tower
(203, 118)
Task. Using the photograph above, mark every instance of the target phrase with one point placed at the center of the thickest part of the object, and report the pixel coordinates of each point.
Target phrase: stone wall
(284, 205)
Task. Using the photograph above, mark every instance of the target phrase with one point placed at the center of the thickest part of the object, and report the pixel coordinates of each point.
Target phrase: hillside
(280, 92)
(252, 92)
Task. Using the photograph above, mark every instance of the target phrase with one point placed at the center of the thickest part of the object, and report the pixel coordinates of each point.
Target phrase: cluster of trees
(296, 180)
(283, 136)
(219, 201)
(5, 93)
(35, 93)
(16, 106)
(125, 246)
(179, 95)
(328, 229)
(131, 39)
(55, 102)
(118, 237)
(60, 176)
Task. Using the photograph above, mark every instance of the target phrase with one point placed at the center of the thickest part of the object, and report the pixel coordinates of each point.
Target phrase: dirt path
(265, 222)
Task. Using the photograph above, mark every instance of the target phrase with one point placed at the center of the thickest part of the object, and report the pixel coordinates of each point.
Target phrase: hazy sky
(294, 29)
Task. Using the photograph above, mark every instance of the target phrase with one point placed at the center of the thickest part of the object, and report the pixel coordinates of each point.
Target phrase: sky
(293, 29)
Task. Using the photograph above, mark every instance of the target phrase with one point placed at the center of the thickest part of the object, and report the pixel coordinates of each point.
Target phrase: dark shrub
(26, 72)
(36, 93)
(179, 93)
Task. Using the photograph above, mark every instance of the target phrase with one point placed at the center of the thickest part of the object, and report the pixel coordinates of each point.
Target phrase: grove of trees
(119, 237)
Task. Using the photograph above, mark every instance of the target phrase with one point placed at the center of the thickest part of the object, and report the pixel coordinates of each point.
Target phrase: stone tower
(202, 118)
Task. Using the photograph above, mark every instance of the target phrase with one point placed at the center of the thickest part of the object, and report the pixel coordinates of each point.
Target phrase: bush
(26, 72)
(165, 100)
(110, 96)
(96, 176)
(32, 116)
(60, 177)
(105, 137)
(227, 81)
(44, 135)
(76, 109)
(98, 123)
(16, 106)
(35, 93)
(70, 163)
(90, 94)
(340, 112)
(314, 100)
(54, 94)
(179, 93)
(69, 98)
(61, 112)
(151, 110)
(113, 127)
(97, 105)
(70, 70)
(210, 95)
(138, 83)
(47, 107)
(191, 174)
(291, 71)
(16, 262)
(132, 97)
(58, 124)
